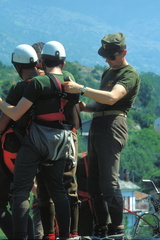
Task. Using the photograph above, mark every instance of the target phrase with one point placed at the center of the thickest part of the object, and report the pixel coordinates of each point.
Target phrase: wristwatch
(83, 89)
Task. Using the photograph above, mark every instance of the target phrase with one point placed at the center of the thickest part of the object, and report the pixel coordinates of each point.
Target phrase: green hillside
(141, 156)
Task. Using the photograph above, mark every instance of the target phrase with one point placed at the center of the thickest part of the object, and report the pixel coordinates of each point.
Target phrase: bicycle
(147, 224)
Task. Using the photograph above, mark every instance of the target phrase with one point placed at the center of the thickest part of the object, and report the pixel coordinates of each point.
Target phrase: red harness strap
(87, 198)
(8, 157)
(57, 116)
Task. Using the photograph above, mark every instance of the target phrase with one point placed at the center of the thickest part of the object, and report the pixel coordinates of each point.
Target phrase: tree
(141, 154)
(146, 90)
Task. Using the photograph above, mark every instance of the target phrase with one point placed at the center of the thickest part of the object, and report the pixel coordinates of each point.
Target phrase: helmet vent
(31, 60)
(57, 54)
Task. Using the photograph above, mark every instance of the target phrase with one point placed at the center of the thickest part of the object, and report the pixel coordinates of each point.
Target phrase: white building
(128, 192)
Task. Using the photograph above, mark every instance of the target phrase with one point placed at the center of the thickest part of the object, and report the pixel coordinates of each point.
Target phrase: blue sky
(115, 10)
(123, 15)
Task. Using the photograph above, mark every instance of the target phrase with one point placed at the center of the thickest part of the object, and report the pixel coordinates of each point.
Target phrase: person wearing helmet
(45, 205)
(38, 48)
(12, 132)
(24, 57)
(108, 132)
(37, 223)
(40, 145)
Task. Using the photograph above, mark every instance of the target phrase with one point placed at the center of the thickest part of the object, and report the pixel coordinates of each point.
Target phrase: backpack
(82, 175)
(10, 143)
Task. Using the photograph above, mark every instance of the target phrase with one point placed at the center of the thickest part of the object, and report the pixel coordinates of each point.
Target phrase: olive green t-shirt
(129, 78)
(42, 92)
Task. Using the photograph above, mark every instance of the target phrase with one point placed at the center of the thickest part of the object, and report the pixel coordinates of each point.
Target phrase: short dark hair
(25, 65)
(38, 46)
(52, 63)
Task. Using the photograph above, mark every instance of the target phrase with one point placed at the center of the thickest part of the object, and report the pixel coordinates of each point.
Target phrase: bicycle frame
(141, 217)
(156, 204)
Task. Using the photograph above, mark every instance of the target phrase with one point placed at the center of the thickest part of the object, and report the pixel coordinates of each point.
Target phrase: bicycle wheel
(146, 225)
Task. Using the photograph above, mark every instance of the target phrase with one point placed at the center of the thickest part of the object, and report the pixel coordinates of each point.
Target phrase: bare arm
(90, 107)
(15, 112)
(101, 96)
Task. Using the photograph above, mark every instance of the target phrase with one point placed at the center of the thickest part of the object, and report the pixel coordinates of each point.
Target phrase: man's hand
(82, 106)
(72, 87)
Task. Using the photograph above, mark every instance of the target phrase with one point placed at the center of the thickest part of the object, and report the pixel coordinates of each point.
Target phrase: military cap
(111, 44)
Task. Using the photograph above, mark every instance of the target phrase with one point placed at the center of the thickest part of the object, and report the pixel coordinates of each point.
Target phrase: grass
(2, 236)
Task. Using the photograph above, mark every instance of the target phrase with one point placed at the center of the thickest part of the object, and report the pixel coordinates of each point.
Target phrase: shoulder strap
(68, 105)
(55, 81)
(58, 86)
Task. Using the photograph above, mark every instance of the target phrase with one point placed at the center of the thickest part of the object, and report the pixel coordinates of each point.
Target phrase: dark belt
(109, 113)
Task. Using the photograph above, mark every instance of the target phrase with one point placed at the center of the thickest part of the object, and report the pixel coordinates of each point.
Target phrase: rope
(156, 229)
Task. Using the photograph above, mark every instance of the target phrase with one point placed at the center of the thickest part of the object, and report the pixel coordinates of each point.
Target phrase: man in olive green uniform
(108, 132)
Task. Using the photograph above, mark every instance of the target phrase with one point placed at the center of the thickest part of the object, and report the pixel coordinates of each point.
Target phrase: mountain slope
(81, 31)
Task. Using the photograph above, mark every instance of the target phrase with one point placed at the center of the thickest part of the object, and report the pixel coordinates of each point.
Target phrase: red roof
(140, 195)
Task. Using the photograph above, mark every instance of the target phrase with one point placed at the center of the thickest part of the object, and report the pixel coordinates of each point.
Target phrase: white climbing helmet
(24, 54)
(53, 50)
